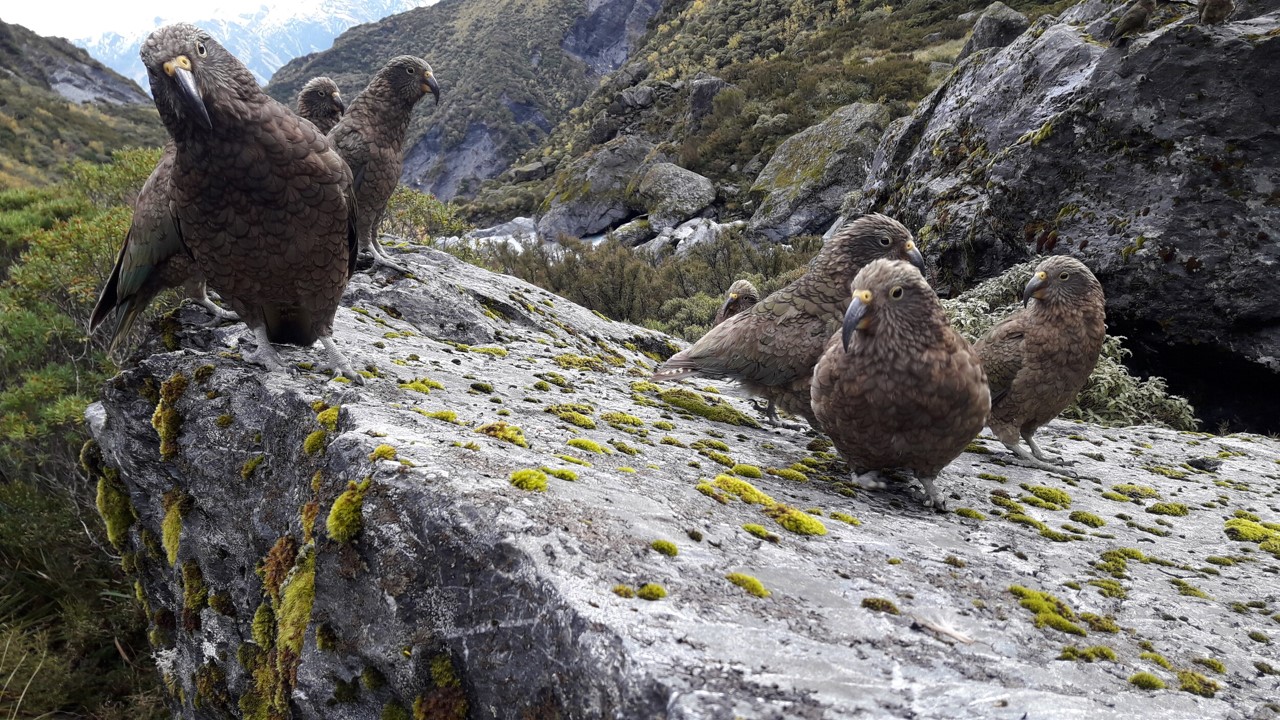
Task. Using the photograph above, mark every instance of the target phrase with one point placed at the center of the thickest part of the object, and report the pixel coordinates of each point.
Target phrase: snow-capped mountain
(263, 39)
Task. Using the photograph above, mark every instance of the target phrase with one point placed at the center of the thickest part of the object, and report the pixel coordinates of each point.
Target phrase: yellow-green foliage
(175, 507)
(574, 414)
(315, 442)
(1196, 684)
(195, 594)
(1136, 491)
(844, 518)
(750, 471)
(788, 474)
(346, 517)
(748, 583)
(1087, 518)
(665, 547)
(1213, 664)
(264, 626)
(1050, 495)
(1088, 654)
(569, 361)
(589, 445)
(1147, 681)
(383, 452)
(118, 513)
(166, 420)
(624, 591)
(1100, 623)
(797, 521)
(1048, 610)
(1244, 530)
(448, 416)
(574, 460)
(529, 479)
(420, 217)
(1156, 658)
(970, 513)
(504, 432)
(562, 473)
(328, 419)
(760, 531)
(620, 418)
(297, 595)
(423, 385)
(250, 465)
(1112, 396)
(1168, 508)
(651, 591)
(714, 409)
(880, 605)
(743, 489)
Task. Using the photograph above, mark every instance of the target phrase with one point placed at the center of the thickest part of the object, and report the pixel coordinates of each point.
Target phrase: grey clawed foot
(1024, 458)
(1041, 454)
(932, 499)
(380, 257)
(341, 366)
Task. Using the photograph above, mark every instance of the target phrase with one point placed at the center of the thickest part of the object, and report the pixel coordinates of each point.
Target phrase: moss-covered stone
(1196, 684)
(328, 419)
(797, 521)
(166, 420)
(250, 465)
(1048, 611)
(1168, 508)
(970, 513)
(761, 532)
(346, 517)
(117, 511)
(719, 411)
(1087, 518)
(742, 489)
(315, 442)
(624, 591)
(1088, 654)
(175, 506)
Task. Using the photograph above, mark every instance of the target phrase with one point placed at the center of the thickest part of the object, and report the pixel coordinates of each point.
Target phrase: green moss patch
(880, 605)
(1086, 518)
(1136, 491)
(505, 432)
(1088, 654)
(315, 442)
(346, 517)
(1168, 508)
(714, 410)
(562, 473)
(797, 521)
(1147, 681)
(423, 385)
(788, 474)
(751, 584)
(1048, 610)
(761, 532)
(742, 489)
(166, 420)
(1196, 684)
(328, 419)
(589, 445)
(651, 591)
(530, 480)
(665, 547)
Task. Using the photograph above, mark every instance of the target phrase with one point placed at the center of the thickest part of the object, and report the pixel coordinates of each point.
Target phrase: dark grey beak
(914, 256)
(190, 96)
(434, 87)
(855, 318)
(1038, 282)
(342, 107)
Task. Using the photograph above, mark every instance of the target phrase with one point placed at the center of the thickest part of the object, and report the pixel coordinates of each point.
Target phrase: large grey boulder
(672, 194)
(592, 193)
(800, 189)
(1156, 164)
(998, 26)
(703, 90)
(439, 585)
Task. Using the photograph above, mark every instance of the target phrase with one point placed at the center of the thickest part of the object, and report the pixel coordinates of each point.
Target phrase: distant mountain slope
(263, 40)
(510, 70)
(59, 104)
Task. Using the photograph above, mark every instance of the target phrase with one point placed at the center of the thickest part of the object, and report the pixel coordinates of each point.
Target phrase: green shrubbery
(67, 613)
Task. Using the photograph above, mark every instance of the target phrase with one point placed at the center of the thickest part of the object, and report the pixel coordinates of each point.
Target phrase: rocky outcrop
(801, 188)
(508, 521)
(57, 65)
(1157, 164)
(604, 37)
(703, 90)
(594, 192)
(671, 194)
(998, 26)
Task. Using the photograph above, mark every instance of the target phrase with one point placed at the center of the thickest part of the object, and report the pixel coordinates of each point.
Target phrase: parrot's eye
(896, 293)
(201, 50)
(1063, 276)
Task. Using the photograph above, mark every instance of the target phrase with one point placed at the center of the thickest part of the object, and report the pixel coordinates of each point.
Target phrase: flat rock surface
(513, 591)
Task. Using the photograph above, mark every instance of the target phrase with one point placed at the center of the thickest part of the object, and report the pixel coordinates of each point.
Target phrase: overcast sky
(96, 17)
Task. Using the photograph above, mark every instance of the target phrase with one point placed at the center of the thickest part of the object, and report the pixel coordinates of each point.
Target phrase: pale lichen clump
(346, 517)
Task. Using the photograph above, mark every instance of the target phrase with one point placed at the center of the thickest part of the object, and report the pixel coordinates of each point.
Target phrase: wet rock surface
(459, 592)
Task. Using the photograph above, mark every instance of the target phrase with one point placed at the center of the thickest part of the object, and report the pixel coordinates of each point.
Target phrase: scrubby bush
(421, 217)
